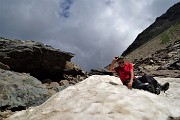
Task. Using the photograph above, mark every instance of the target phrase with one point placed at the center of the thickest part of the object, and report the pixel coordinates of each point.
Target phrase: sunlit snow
(105, 98)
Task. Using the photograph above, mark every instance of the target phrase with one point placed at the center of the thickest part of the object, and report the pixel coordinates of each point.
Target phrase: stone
(53, 84)
(5, 114)
(20, 91)
(64, 82)
(40, 60)
(98, 71)
(73, 69)
(3, 66)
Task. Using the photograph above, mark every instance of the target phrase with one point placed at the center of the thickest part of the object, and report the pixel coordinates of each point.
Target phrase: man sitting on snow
(126, 74)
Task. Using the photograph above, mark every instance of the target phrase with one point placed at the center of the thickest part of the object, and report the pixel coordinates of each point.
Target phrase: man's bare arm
(111, 67)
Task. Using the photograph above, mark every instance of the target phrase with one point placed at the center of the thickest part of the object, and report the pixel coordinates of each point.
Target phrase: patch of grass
(168, 34)
(165, 38)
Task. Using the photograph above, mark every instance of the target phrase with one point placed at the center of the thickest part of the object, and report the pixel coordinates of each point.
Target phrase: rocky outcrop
(32, 73)
(41, 61)
(20, 91)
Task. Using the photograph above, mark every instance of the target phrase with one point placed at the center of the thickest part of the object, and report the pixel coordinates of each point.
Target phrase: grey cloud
(27, 20)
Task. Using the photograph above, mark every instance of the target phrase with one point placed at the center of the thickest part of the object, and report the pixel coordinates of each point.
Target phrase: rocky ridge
(32, 73)
(41, 61)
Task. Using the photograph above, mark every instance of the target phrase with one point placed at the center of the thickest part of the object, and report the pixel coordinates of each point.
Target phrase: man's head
(120, 61)
(120, 57)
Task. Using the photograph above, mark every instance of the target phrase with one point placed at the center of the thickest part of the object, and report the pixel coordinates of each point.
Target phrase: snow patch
(105, 98)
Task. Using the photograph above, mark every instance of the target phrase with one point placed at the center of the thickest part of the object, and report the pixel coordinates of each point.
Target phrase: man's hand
(130, 85)
(111, 67)
(115, 59)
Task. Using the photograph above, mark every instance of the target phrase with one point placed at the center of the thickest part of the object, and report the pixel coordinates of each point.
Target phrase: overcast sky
(94, 30)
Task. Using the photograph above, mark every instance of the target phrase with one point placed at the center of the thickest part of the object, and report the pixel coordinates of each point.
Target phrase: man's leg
(142, 86)
(157, 86)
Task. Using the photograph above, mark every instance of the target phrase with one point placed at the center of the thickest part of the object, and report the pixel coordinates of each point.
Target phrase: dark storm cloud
(65, 7)
(95, 31)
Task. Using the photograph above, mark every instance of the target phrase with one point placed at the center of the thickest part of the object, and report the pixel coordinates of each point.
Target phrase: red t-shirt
(124, 72)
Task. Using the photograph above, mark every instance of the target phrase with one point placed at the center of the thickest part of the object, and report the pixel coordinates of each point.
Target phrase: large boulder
(20, 91)
(41, 61)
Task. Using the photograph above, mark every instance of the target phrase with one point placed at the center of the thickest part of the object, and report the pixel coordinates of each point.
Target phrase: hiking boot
(165, 87)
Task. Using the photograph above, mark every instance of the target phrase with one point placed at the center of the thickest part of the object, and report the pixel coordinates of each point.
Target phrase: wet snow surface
(105, 98)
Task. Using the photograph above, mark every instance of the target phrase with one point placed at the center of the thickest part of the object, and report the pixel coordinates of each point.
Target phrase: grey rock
(20, 91)
(73, 69)
(40, 60)
(98, 71)
(64, 83)
(3, 66)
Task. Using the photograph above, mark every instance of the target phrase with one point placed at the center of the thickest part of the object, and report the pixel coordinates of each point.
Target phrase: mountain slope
(163, 32)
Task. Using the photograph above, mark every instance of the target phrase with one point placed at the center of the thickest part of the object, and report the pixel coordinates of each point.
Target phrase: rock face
(43, 64)
(20, 91)
(41, 61)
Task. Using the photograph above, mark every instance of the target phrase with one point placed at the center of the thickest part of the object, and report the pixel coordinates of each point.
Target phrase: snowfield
(105, 98)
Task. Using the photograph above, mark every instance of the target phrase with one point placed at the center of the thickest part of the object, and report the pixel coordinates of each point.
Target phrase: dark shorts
(134, 84)
(127, 81)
